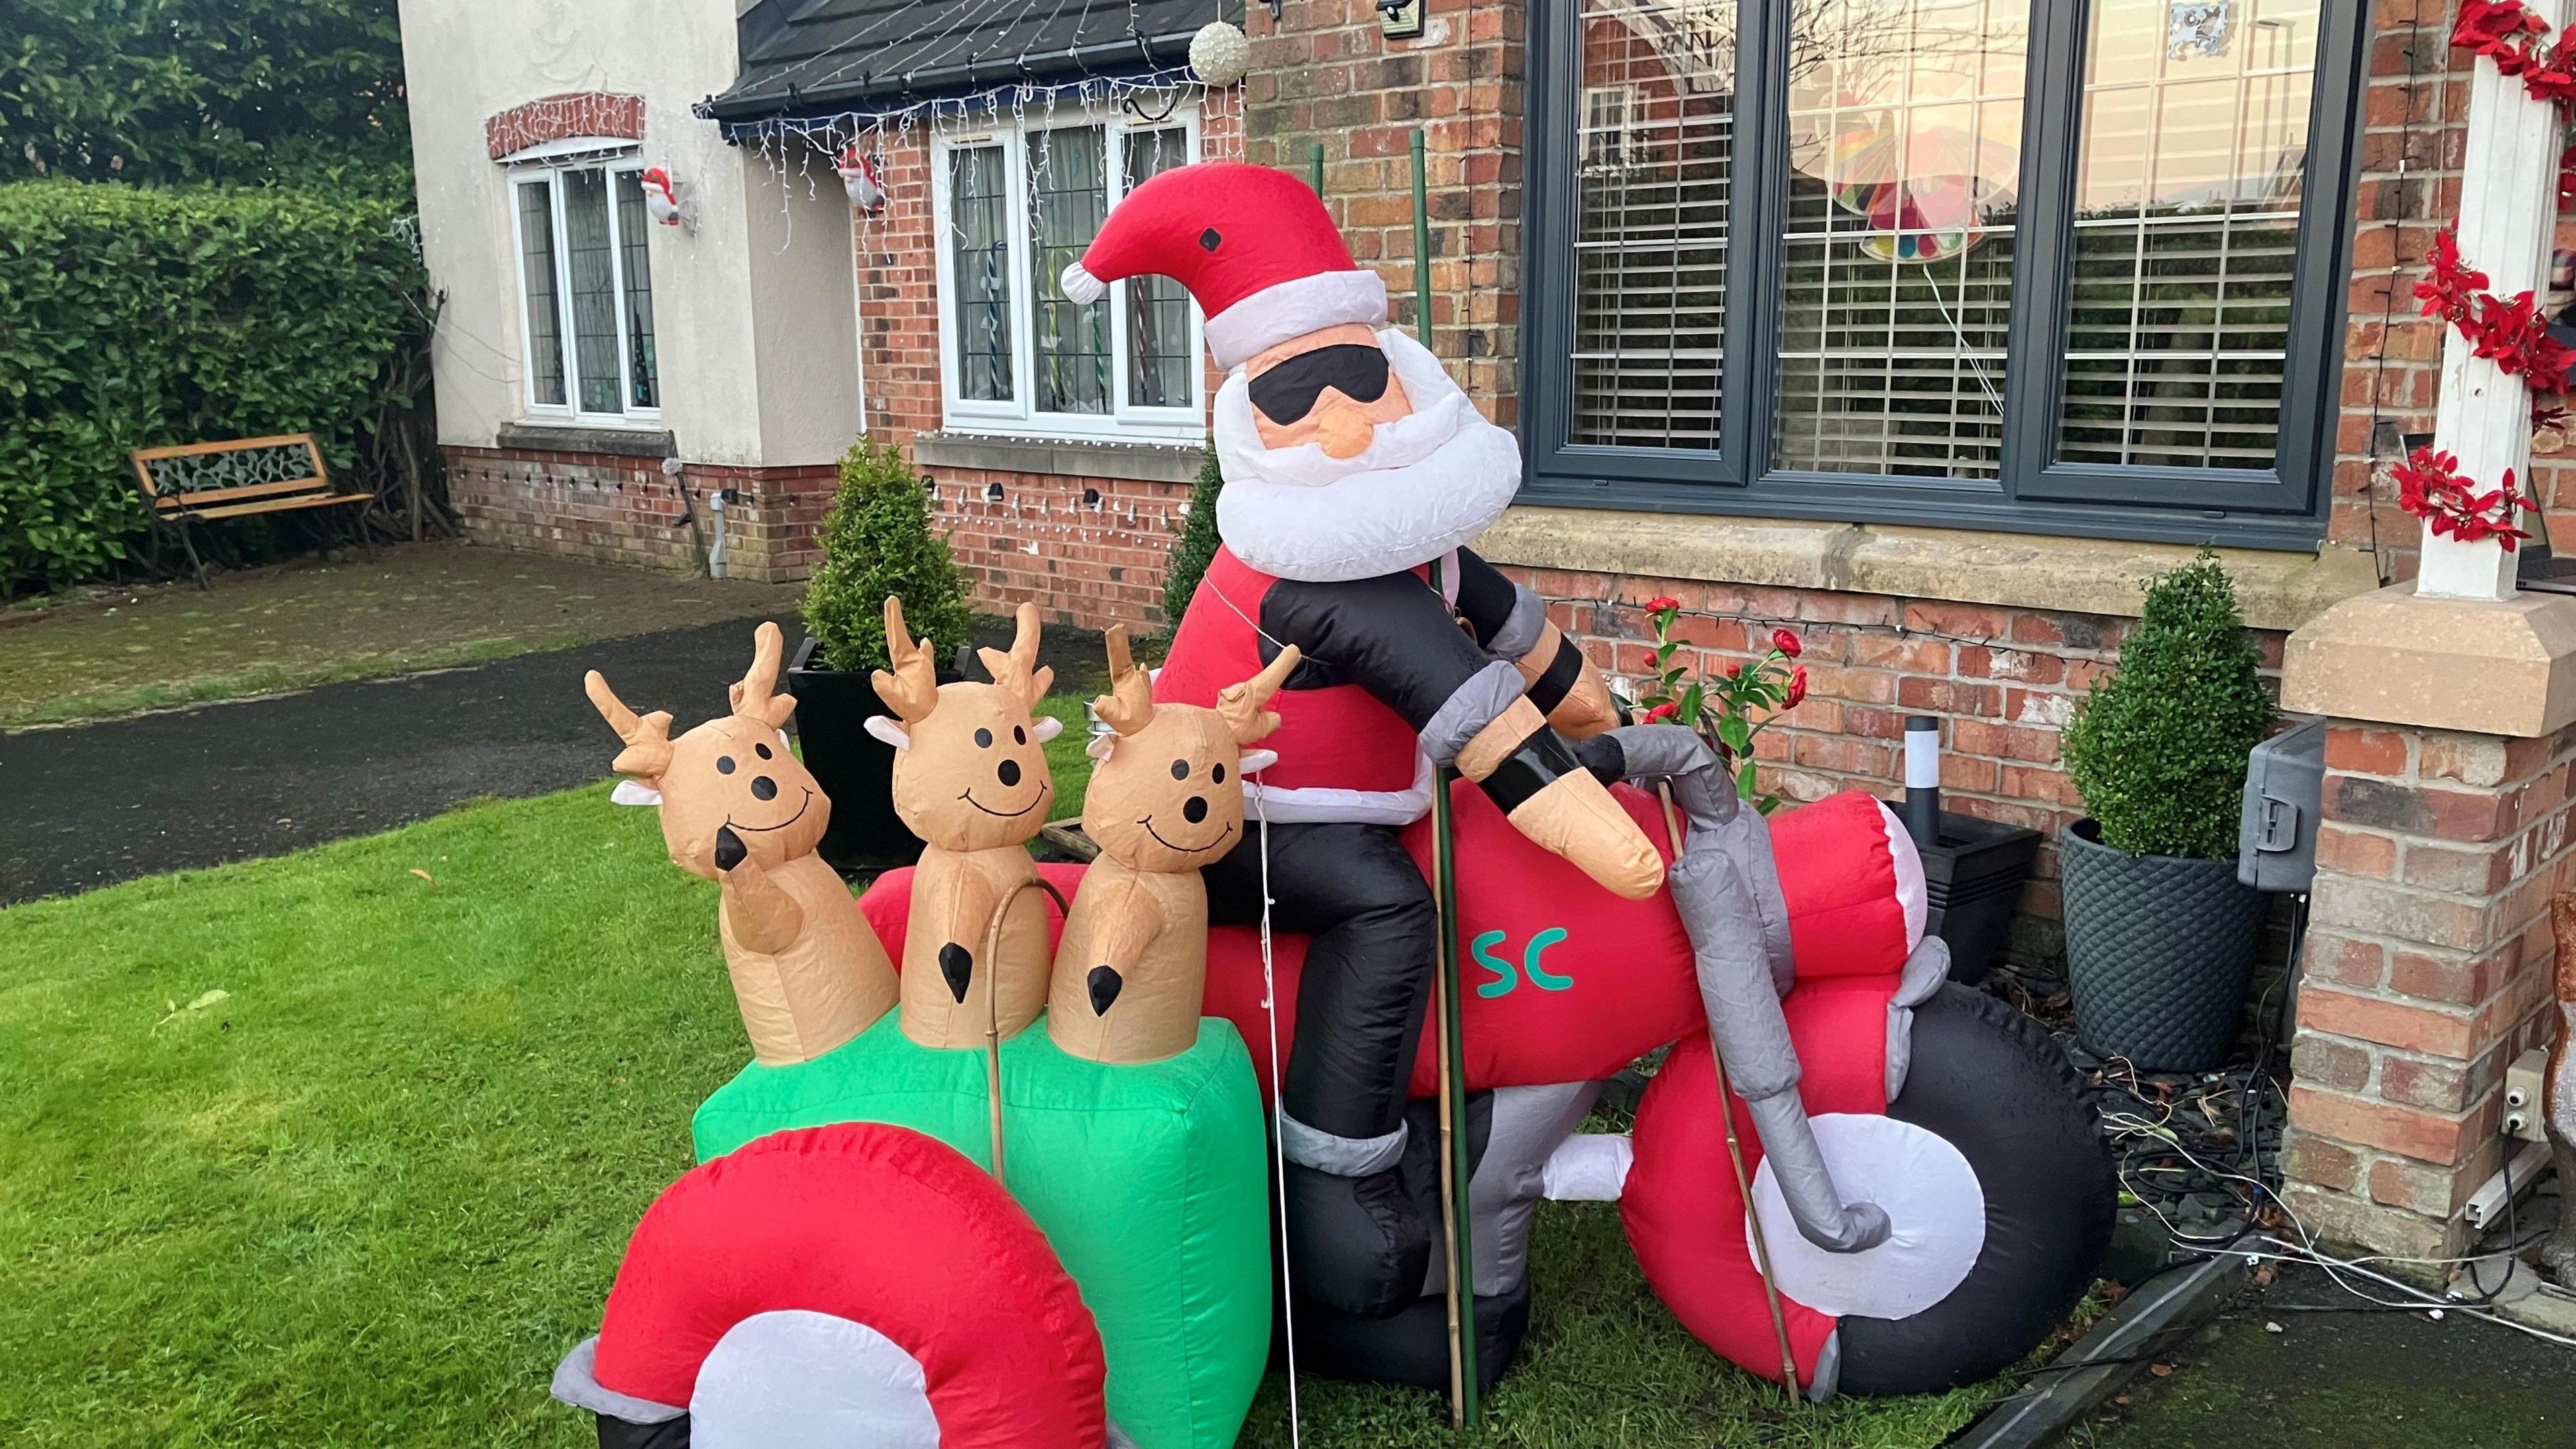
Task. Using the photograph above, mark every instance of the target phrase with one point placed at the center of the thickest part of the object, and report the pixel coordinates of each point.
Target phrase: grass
(423, 606)
(373, 1192)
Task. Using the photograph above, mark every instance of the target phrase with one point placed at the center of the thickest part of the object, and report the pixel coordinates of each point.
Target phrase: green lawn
(370, 1195)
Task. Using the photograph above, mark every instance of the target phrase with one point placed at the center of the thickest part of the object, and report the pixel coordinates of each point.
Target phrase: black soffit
(815, 57)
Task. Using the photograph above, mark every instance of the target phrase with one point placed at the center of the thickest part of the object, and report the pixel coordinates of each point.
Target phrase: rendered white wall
(758, 363)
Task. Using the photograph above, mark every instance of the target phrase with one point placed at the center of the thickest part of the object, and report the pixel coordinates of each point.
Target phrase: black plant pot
(855, 768)
(2157, 951)
(1973, 880)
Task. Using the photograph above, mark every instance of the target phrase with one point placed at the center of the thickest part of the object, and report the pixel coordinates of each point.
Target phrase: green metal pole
(1315, 161)
(1421, 244)
(1466, 1409)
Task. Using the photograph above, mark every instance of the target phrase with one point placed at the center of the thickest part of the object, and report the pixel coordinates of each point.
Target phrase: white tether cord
(1278, 1112)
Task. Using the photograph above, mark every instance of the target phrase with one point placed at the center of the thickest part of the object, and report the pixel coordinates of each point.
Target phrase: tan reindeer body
(739, 808)
(970, 778)
(2558, 1091)
(1166, 799)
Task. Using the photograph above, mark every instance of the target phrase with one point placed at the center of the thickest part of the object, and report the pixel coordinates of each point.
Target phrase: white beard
(1424, 485)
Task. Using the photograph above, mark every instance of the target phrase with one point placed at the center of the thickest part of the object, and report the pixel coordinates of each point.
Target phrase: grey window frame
(2284, 507)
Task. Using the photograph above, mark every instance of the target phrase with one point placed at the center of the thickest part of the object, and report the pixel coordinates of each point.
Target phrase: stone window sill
(569, 438)
(2009, 570)
(1148, 462)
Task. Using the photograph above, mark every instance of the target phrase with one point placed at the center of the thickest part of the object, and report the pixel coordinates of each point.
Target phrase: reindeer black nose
(729, 848)
(1195, 809)
(764, 788)
(1010, 772)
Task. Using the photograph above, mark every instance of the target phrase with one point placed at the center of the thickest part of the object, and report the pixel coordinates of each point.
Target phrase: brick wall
(2414, 136)
(1089, 551)
(1324, 74)
(626, 510)
(2428, 970)
(2002, 681)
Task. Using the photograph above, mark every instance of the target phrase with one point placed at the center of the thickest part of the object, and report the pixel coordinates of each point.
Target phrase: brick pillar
(2427, 972)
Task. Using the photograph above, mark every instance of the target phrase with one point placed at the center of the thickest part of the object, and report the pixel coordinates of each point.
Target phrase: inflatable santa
(1355, 471)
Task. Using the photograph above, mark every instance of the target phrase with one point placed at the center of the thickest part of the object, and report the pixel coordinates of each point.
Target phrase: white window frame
(544, 165)
(1019, 416)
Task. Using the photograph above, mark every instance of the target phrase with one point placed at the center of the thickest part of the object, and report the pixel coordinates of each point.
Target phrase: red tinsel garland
(2517, 41)
(2512, 333)
(2431, 488)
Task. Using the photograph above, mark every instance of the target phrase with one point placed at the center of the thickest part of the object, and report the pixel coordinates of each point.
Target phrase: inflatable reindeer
(1166, 798)
(739, 809)
(970, 778)
(2558, 1091)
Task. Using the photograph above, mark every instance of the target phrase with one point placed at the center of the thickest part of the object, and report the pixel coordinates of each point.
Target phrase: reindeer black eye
(761, 750)
(1220, 774)
(1180, 769)
(1019, 735)
(724, 764)
(983, 739)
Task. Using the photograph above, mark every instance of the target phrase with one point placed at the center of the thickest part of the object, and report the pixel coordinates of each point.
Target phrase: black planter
(1973, 879)
(855, 768)
(2157, 951)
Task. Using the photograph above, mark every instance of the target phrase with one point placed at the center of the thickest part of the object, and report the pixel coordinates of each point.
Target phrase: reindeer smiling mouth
(969, 798)
(1148, 823)
(802, 806)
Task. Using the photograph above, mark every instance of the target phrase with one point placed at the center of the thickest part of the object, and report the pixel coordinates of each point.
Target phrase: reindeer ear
(885, 728)
(1046, 728)
(632, 792)
(1256, 761)
(1100, 747)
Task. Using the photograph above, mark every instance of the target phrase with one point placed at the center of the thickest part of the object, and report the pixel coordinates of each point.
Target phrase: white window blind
(2188, 187)
(1904, 139)
(1656, 137)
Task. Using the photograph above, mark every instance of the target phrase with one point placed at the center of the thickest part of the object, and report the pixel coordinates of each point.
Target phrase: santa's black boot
(1359, 1244)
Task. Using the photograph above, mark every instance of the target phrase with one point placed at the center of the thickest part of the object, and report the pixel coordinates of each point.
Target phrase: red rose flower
(1661, 713)
(1662, 602)
(1797, 687)
(1787, 643)
(1735, 671)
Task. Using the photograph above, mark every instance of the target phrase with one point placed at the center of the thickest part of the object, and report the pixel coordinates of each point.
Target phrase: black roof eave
(749, 107)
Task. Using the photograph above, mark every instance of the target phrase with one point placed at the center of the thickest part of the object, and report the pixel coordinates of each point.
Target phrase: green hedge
(132, 317)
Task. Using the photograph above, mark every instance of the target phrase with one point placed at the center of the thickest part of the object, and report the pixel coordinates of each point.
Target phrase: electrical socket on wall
(1399, 20)
(2524, 1113)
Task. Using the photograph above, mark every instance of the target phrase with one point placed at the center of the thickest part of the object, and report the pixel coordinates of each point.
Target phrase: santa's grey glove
(1789, 1149)
(1719, 823)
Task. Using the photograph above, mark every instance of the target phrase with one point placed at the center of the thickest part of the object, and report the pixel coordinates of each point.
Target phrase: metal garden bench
(205, 482)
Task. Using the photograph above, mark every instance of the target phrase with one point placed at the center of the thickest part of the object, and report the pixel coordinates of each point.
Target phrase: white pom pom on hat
(1081, 287)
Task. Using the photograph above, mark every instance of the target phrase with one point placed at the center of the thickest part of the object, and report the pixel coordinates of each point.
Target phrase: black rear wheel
(1990, 1082)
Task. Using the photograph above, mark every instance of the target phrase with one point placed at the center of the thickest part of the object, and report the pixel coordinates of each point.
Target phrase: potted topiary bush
(2159, 932)
(1197, 542)
(877, 541)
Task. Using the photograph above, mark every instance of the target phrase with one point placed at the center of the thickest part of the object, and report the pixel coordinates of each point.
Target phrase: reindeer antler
(1129, 705)
(757, 694)
(912, 690)
(1019, 670)
(1240, 705)
(648, 740)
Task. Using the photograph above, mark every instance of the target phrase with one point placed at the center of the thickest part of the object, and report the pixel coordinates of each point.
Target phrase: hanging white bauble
(1219, 53)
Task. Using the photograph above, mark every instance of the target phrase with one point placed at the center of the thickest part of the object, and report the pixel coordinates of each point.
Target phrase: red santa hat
(1253, 245)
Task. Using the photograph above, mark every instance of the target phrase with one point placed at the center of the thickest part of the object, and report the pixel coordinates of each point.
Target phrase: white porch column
(2508, 208)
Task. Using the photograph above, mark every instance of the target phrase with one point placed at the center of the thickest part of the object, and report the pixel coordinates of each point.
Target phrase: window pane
(1158, 310)
(1654, 138)
(594, 289)
(635, 262)
(1068, 195)
(979, 233)
(2186, 231)
(1904, 141)
(537, 270)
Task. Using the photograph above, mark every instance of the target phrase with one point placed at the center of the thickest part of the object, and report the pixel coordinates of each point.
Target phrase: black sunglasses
(1287, 393)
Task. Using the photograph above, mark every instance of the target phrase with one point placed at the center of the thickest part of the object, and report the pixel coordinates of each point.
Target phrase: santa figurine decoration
(661, 198)
(1355, 471)
(861, 181)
